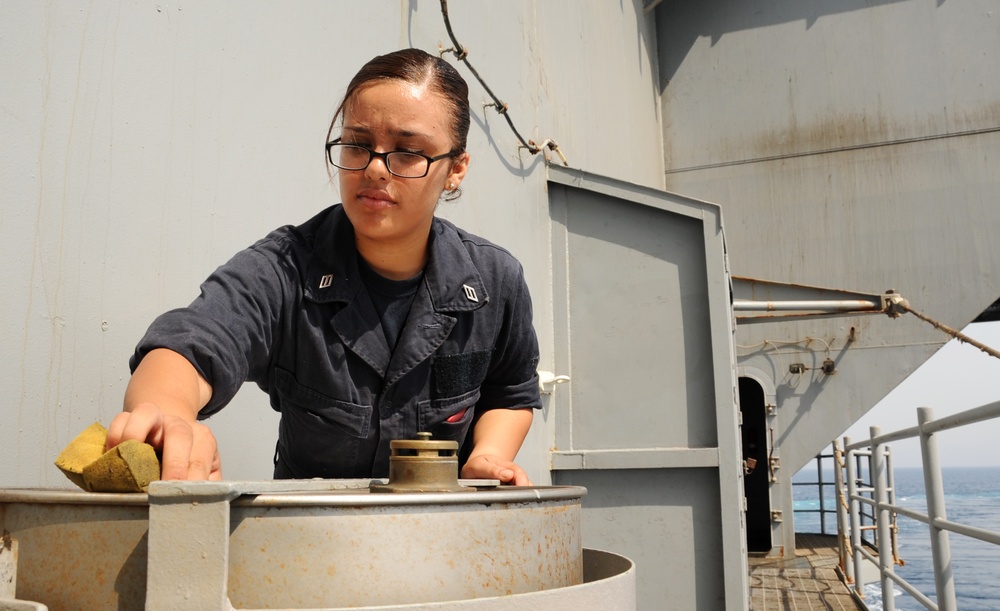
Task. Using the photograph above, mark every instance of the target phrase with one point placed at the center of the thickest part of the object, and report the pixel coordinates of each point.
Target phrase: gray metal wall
(145, 143)
(648, 423)
(852, 145)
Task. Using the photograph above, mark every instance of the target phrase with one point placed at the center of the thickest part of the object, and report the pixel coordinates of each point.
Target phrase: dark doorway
(756, 482)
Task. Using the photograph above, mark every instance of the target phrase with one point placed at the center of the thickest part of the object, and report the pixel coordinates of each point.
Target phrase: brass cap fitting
(422, 465)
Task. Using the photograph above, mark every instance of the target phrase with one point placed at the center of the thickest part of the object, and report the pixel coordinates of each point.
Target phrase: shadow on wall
(680, 24)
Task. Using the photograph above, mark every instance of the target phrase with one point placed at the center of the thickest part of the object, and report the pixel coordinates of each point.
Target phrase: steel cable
(952, 332)
(462, 54)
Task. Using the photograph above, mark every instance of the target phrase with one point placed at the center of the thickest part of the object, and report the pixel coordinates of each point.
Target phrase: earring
(451, 186)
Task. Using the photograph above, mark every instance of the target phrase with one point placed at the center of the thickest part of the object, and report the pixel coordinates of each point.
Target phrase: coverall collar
(453, 282)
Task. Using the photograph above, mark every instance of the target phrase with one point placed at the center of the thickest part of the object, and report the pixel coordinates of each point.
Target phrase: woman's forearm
(500, 432)
(170, 381)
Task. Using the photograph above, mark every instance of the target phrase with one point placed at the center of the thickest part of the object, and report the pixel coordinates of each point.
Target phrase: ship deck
(806, 582)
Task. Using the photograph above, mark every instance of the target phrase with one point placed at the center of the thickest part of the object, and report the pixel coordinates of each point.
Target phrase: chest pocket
(319, 436)
(457, 378)
(456, 374)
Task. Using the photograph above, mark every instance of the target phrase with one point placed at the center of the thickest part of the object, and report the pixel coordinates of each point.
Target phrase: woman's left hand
(485, 466)
(496, 438)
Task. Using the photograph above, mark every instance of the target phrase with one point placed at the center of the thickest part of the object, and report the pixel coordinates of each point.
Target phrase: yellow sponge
(127, 467)
(87, 447)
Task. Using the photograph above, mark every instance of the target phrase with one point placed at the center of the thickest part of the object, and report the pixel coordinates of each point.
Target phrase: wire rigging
(462, 54)
(952, 332)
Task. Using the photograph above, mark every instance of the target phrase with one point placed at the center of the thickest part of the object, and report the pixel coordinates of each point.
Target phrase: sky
(956, 378)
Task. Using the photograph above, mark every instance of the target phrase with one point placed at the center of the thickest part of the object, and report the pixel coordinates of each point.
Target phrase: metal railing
(881, 497)
(821, 485)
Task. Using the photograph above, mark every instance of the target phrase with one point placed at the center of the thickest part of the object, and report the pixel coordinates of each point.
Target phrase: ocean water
(972, 496)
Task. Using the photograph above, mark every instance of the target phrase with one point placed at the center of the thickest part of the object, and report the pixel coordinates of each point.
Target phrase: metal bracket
(547, 381)
(8, 578)
(192, 571)
(767, 301)
(893, 304)
(8, 566)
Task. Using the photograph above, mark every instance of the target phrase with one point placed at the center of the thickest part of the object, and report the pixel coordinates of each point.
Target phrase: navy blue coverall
(291, 314)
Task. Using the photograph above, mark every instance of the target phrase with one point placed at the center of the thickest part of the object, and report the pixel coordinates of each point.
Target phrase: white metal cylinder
(324, 545)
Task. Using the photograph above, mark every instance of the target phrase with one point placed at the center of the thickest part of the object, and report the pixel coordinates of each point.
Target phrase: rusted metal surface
(75, 554)
(311, 556)
(323, 546)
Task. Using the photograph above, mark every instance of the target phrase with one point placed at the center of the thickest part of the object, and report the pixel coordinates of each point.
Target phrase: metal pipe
(890, 474)
(832, 305)
(852, 484)
(989, 536)
(971, 416)
(882, 519)
(899, 435)
(916, 515)
(915, 593)
(863, 499)
(870, 557)
(944, 579)
(838, 482)
(870, 489)
(819, 480)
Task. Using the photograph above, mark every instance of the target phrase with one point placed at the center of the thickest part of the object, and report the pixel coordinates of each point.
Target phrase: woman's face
(386, 210)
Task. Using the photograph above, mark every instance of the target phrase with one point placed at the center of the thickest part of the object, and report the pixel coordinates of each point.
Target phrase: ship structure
(727, 213)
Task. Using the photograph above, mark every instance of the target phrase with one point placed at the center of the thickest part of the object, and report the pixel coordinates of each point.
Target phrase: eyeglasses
(399, 163)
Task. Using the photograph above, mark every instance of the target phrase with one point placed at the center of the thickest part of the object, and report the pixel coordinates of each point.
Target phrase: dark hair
(419, 68)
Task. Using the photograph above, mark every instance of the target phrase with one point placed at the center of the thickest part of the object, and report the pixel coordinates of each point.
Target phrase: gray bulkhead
(851, 146)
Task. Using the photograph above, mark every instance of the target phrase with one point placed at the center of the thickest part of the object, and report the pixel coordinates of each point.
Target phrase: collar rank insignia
(326, 281)
(470, 293)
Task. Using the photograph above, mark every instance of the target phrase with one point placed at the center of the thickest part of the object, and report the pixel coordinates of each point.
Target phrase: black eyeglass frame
(385, 158)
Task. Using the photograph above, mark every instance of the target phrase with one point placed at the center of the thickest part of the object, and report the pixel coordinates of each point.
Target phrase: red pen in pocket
(456, 416)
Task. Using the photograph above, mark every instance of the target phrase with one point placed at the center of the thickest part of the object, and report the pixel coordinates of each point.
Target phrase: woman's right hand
(162, 402)
(188, 448)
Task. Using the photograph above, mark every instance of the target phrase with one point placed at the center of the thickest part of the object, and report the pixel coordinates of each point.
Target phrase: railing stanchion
(891, 475)
(880, 479)
(838, 483)
(944, 579)
(852, 492)
(822, 507)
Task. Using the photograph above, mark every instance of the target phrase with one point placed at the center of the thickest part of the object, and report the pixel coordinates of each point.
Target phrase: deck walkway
(808, 581)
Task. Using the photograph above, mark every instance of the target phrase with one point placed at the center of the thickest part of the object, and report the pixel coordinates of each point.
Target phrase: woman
(370, 322)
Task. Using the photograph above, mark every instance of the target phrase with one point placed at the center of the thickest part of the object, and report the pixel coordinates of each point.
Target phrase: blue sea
(972, 496)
